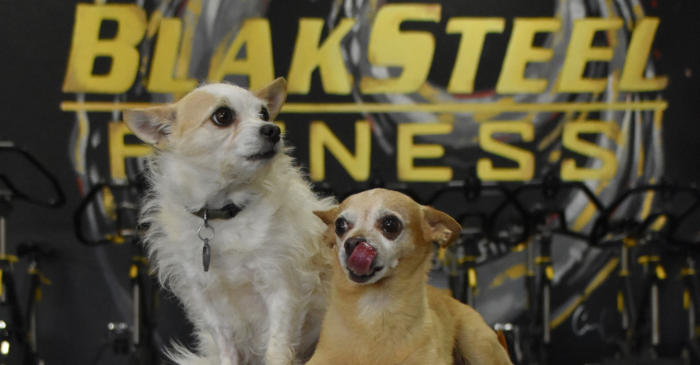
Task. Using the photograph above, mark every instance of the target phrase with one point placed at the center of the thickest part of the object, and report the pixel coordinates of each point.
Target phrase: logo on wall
(428, 87)
(397, 91)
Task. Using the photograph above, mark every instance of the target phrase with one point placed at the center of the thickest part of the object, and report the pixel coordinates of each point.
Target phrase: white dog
(250, 277)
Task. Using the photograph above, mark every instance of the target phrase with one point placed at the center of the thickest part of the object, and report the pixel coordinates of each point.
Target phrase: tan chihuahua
(381, 309)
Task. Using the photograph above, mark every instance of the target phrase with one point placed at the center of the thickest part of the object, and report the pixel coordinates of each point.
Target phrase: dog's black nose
(271, 131)
(351, 243)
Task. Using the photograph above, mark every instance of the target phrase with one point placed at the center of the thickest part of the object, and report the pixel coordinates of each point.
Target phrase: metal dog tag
(206, 255)
(205, 233)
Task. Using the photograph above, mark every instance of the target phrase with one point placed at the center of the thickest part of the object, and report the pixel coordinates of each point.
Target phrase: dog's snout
(271, 132)
(351, 243)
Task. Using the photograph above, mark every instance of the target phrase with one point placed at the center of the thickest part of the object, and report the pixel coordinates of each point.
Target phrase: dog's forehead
(197, 105)
(203, 99)
(227, 91)
(372, 202)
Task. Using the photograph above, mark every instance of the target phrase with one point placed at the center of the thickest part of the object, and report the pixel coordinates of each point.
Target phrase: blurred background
(562, 132)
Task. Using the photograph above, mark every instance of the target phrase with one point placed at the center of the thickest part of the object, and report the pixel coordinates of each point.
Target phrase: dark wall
(678, 43)
(80, 301)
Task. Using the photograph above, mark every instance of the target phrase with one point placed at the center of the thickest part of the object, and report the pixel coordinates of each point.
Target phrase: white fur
(263, 298)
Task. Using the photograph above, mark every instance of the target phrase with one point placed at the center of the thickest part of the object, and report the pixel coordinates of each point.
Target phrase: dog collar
(226, 212)
(206, 232)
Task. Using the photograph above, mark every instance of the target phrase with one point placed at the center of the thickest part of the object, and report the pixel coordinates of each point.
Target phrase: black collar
(228, 211)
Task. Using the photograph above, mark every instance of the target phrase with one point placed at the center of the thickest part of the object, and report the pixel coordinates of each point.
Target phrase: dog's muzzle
(361, 259)
(271, 134)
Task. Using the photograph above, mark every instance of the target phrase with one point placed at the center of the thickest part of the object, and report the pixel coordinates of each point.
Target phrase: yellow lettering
(632, 78)
(119, 151)
(308, 55)
(524, 158)
(410, 50)
(86, 47)
(520, 52)
(570, 140)
(257, 64)
(320, 137)
(580, 52)
(161, 79)
(473, 33)
(407, 152)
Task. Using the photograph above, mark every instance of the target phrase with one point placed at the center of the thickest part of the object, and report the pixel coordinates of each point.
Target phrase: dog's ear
(274, 95)
(439, 227)
(151, 125)
(328, 217)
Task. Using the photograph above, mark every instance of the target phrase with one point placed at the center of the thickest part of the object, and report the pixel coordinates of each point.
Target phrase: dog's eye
(223, 117)
(341, 226)
(264, 114)
(390, 226)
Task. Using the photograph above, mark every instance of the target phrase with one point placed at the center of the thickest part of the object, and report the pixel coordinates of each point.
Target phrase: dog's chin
(370, 278)
(264, 155)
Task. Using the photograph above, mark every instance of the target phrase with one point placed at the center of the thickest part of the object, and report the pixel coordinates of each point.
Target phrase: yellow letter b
(121, 49)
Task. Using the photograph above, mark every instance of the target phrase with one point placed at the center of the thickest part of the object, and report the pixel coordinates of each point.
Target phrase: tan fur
(399, 319)
(193, 111)
(274, 94)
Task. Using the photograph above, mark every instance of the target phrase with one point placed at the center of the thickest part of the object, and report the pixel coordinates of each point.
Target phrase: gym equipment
(649, 238)
(18, 330)
(119, 205)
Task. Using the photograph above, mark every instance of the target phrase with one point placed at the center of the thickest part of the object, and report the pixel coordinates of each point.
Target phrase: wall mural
(451, 101)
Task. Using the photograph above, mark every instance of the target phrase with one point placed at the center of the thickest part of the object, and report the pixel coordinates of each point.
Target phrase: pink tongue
(361, 258)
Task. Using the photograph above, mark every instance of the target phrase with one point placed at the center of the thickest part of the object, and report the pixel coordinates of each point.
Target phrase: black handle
(59, 197)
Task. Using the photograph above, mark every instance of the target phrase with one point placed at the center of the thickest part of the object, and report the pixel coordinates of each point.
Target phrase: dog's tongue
(361, 258)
